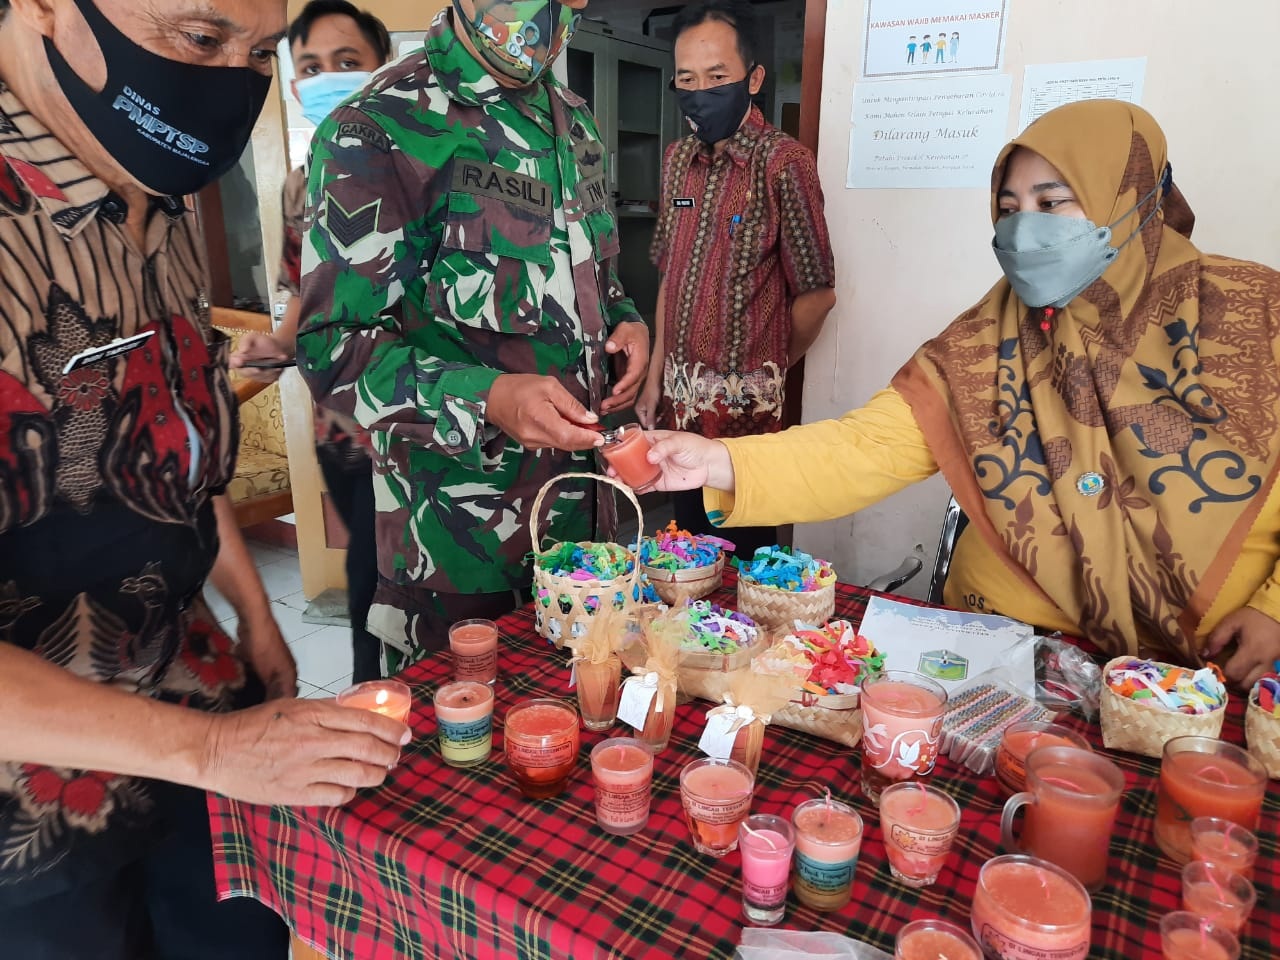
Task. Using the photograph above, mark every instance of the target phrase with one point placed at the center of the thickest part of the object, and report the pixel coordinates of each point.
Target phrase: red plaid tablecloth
(446, 863)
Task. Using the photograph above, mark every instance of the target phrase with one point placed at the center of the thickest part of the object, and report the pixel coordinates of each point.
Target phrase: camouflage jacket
(459, 230)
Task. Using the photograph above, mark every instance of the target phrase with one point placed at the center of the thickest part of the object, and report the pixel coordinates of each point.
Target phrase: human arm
(368, 241)
(1256, 636)
(808, 313)
(804, 247)
(304, 752)
(814, 472)
(651, 394)
(235, 576)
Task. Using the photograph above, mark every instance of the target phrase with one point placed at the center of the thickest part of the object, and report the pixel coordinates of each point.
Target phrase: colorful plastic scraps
(785, 569)
(1170, 687)
(717, 630)
(839, 658)
(1266, 694)
(594, 561)
(676, 549)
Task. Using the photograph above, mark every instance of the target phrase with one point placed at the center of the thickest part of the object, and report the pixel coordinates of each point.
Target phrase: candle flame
(381, 698)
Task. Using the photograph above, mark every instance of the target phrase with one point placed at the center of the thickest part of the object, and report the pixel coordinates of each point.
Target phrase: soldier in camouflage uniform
(459, 301)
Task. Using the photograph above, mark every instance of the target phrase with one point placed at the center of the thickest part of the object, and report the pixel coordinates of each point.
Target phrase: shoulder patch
(348, 228)
(364, 133)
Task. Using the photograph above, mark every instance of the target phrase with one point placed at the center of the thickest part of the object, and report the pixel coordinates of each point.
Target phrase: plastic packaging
(1067, 678)
(977, 716)
(765, 944)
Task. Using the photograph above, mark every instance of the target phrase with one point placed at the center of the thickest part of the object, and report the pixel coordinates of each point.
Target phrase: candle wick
(1217, 887)
(760, 836)
(1218, 775)
(924, 799)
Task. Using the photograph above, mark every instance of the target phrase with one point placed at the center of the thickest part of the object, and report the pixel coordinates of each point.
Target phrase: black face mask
(716, 112)
(174, 127)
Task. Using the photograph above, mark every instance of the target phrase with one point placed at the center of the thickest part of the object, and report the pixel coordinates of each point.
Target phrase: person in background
(121, 701)
(747, 274)
(334, 47)
(459, 301)
(1108, 415)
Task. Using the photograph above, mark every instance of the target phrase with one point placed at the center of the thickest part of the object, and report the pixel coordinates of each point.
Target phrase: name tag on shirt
(682, 202)
(115, 348)
(484, 179)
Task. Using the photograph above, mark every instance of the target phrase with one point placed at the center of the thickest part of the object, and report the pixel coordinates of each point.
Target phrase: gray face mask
(1049, 260)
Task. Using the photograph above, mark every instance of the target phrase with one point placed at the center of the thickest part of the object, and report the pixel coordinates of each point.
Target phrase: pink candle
(1211, 891)
(1185, 936)
(1027, 909)
(475, 650)
(541, 738)
(623, 772)
(828, 840)
(391, 698)
(920, 823)
(716, 795)
(464, 713)
(934, 940)
(902, 728)
(766, 843)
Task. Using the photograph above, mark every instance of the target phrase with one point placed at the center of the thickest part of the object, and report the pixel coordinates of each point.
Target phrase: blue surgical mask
(321, 93)
(1050, 260)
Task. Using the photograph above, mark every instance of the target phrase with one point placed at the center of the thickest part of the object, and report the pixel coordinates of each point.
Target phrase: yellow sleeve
(824, 470)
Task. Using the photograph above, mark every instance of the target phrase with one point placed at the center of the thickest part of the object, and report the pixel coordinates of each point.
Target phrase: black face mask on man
(174, 127)
(716, 113)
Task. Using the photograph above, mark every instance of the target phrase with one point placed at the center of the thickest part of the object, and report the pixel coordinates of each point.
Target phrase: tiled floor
(323, 653)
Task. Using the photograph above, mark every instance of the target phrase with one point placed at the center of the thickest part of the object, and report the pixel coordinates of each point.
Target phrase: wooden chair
(260, 489)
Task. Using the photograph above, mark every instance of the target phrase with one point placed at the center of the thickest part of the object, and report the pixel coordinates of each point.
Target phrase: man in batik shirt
(743, 250)
(459, 300)
(117, 438)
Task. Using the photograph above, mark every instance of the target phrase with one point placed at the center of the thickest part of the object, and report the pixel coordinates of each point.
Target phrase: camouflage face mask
(519, 38)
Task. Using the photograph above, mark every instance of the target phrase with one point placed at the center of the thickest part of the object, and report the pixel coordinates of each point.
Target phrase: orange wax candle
(1186, 936)
(1020, 739)
(623, 772)
(1225, 843)
(828, 841)
(475, 650)
(541, 739)
(626, 451)
(1211, 891)
(391, 698)
(1203, 777)
(1027, 909)
(716, 795)
(920, 824)
(934, 940)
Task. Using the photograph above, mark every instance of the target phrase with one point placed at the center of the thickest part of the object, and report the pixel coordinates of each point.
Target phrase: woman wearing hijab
(1108, 416)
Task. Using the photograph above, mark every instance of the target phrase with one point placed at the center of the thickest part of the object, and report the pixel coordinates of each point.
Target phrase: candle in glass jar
(464, 713)
(1211, 891)
(626, 450)
(920, 824)
(934, 940)
(902, 728)
(541, 740)
(828, 840)
(767, 843)
(475, 650)
(1027, 909)
(716, 796)
(1203, 777)
(1019, 740)
(1185, 936)
(391, 698)
(1225, 843)
(623, 772)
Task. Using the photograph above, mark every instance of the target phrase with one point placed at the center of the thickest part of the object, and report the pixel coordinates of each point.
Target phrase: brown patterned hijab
(1117, 460)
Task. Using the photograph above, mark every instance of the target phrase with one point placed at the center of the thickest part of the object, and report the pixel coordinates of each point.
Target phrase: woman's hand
(1257, 639)
(689, 461)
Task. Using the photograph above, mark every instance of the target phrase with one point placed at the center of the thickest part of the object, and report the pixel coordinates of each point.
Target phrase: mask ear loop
(1163, 188)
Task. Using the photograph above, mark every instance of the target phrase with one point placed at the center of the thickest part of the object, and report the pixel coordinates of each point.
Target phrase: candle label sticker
(759, 895)
(717, 811)
(1011, 770)
(534, 755)
(1010, 948)
(925, 844)
(823, 876)
(717, 740)
(624, 807)
(475, 666)
(633, 708)
(467, 734)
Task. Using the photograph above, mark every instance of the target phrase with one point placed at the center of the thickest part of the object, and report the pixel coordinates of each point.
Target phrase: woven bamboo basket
(677, 587)
(835, 718)
(572, 603)
(1262, 731)
(776, 609)
(706, 675)
(1134, 726)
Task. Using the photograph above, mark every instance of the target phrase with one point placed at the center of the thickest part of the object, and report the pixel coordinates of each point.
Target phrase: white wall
(908, 261)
